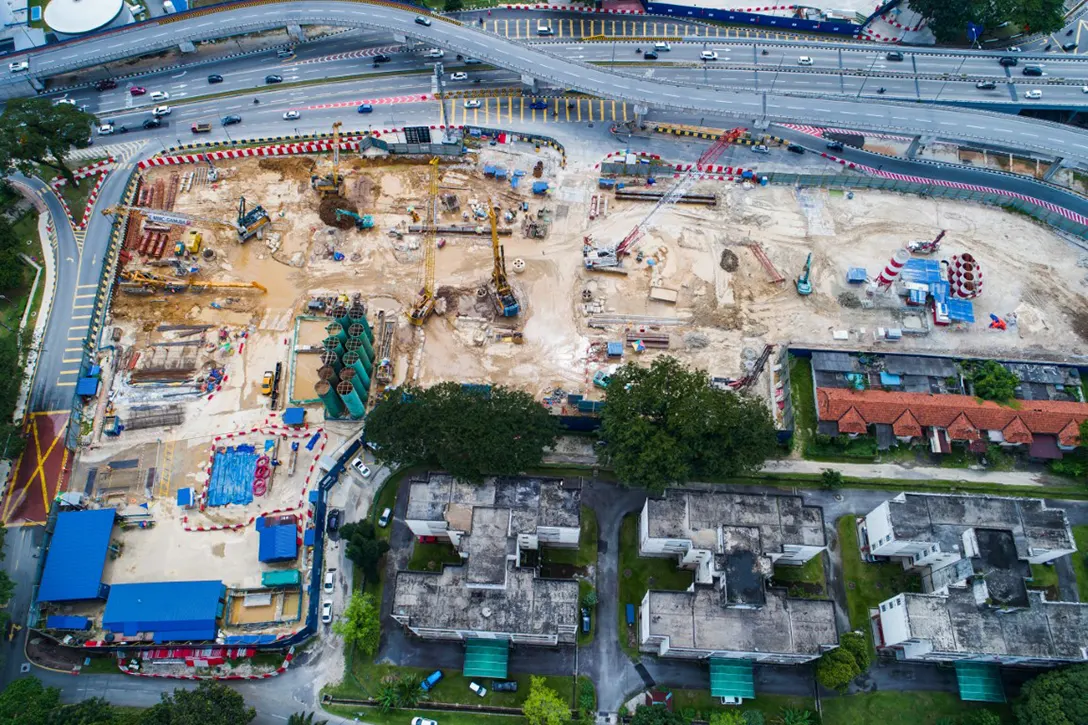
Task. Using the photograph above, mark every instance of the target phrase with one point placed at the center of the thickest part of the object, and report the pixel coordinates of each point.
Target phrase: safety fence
(533, 138)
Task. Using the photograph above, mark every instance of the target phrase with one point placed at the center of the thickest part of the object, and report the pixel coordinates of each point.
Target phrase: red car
(137, 91)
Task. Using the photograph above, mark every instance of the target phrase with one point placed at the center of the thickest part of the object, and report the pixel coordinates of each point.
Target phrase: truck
(431, 681)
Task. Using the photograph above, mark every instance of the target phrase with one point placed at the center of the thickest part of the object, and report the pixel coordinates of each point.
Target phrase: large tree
(360, 624)
(656, 715)
(363, 548)
(1059, 697)
(837, 668)
(991, 380)
(34, 131)
(28, 702)
(544, 706)
(665, 424)
(470, 431)
(948, 20)
(211, 703)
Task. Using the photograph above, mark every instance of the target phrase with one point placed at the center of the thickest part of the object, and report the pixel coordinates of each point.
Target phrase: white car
(423, 721)
(1084, 89)
(708, 55)
(478, 689)
(383, 520)
(18, 66)
(1034, 93)
(326, 611)
(459, 77)
(64, 101)
(359, 466)
(105, 129)
(158, 96)
(160, 111)
(662, 46)
(291, 116)
(330, 582)
(436, 53)
(472, 104)
(804, 60)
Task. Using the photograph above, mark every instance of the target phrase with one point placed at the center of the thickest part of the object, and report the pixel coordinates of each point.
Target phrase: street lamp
(866, 78)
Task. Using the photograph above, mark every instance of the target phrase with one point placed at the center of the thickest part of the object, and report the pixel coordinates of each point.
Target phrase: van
(201, 127)
(431, 681)
(330, 582)
(1032, 70)
(542, 28)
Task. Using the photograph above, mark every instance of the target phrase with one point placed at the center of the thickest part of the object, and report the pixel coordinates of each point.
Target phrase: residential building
(497, 592)
(731, 543)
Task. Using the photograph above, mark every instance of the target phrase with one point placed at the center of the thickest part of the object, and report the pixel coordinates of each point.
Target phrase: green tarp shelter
(285, 578)
(487, 658)
(979, 681)
(732, 678)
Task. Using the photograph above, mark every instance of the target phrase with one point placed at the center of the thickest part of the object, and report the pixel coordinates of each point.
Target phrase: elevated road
(552, 66)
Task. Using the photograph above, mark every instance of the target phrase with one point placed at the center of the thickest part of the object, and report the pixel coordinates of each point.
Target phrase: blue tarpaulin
(185, 497)
(87, 386)
(169, 611)
(923, 271)
(313, 441)
(309, 537)
(58, 621)
(76, 556)
(294, 416)
(232, 476)
(237, 639)
(890, 379)
(856, 275)
(278, 543)
(961, 311)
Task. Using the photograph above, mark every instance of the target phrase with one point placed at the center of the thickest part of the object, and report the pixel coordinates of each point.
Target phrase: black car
(834, 145)
(381, 58)
(1032, 70)
(332, 522)
(795, 148)
(1008, 61)
(1067, 47)
(894, 55)
(985, 85)
(215, 78)
(105, 84)
(420, 20)
(231, 120)
(273, 79)
(152, 123)
(504, 685)
(650, 55)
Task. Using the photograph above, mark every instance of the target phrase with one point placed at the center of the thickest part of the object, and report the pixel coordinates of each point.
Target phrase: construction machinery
(426, 300)
(330, 184)
(249, 223)
(804, 286)
(597, 257)
(505, 301)
(189, 244)
(361, 222)
(187, 283)
(926, 247)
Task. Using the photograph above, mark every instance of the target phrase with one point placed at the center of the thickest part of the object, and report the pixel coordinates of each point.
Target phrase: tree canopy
(34, 131)
(544, 706)
(948, 20)
(361, 624)
(363, 548)
(992, 380)
(654, 715)
(471, 432)
(1058, 697)
(665, 424)
(27, 701)
(211, 703)
(838, 667)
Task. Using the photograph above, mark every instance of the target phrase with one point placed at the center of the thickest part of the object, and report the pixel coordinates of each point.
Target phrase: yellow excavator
(424, 305)
(250, 222)
(330, 184)
(184, 284)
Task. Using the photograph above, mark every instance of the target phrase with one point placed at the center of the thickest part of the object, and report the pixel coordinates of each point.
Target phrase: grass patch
(12, 308)
(1046, 578)
(639, 574)
(804, 582)
(803, 397)
(902, 708)
(100, 666)
(433, 557)
(868, 584)
(586, 553)
(700, 704)
(1079, 558)
(399, 717)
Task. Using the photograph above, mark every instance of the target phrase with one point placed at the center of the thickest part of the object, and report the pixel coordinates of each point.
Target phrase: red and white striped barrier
(263, 676)
(306, 147)
(625, 154)
(895, 23)
(818, 132)
(97, 167)
(575, 9)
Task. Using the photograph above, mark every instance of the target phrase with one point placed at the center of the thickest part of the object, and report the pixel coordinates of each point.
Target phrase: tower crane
(249, 223)
(425, 302)
(329, 185)
(601, 257)
(505, 301)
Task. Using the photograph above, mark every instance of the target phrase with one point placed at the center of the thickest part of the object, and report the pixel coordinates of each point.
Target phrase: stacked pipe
(340, 314)
(326, 372)
(332, 343)
(335, 329)
(334, 407)
(357, 314)
(354, 360)
(358, 332)
(348, 374)
(351, 399)
(965, 276)
(331, 359)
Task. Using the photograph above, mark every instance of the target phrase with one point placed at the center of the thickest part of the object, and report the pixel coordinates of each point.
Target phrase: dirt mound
(294, 167)
(728, 261)
(327, 211)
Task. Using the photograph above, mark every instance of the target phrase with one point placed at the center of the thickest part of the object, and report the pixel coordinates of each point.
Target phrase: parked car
(361, 467)
(585, 620)
(760, 148)
(985, 85)
(326, 612)
(420, 20)
(423, 721)
(152, 122)
(160, 111)
(472, 104)
(215, 78)
(804, 60)
(473, 61)
(834, 146)
(795, 148)
(431, 681)
(1033, 94)
(365, 108)
(459, 77)
(538, 105)
(273, 78)
(330, 582)
(504, 685)
(543, 28)
(18, 66)
(332, 522)
(291, 115)
(160, 96)
(708, 55)
(1069, 47)
(731, 700)
(662, 46)
(105, 84)
(137, 91)
(231, 120)
(202, 127)
(383, 520)
(650, 55)
(478, 689)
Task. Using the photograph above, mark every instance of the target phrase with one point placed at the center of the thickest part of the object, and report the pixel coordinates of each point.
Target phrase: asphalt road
(556, 68)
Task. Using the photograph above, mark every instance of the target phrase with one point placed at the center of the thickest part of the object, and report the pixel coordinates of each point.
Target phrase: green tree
(361, 624)
(754, 717)
(665, 424)
(452, 6)
(729, 717)
(831, 480)
(948, 21)
(591, 598)
(34, 131)
(211, 703)
(11, 267)
(992, 380)
(1059, 697)
(28, 702)
(409, 692)
(981, 717)
(544, 706)
(836, 669)
(857, 645)
(304, 718)
(94, 711)
(469, 432)
(363, 549)
(653, 715)
(795, 716)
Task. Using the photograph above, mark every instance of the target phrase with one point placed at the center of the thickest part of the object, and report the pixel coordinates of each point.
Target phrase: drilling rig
(425, 302)
(506, 303)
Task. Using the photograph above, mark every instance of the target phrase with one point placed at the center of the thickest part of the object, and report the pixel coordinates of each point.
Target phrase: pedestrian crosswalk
(520, 108)
(575, 28)
(120, 151)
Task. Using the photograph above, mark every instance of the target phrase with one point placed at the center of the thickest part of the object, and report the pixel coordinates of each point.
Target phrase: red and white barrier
(575, 9)
(264, 676)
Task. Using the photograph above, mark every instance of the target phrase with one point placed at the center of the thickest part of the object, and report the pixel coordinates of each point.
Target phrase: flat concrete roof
(531, 502)
(486, 546)
(698, 620)
(527, 605)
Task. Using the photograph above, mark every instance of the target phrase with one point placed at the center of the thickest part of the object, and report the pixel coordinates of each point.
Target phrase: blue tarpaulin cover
(294, 416)
(76, 556)
(59, 621)
(278, 543)
(171, 611)
(232, 476)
